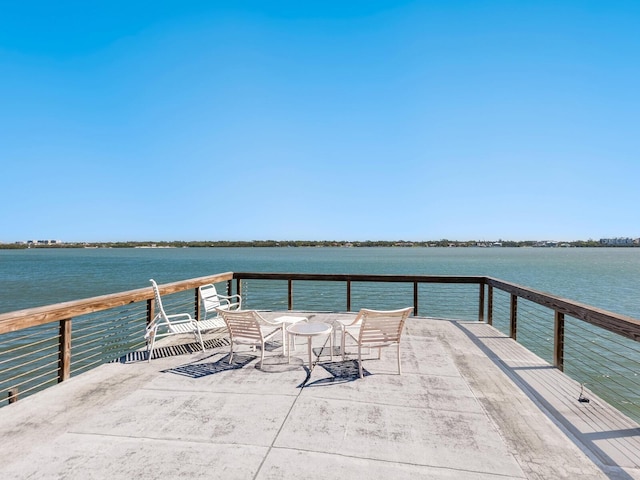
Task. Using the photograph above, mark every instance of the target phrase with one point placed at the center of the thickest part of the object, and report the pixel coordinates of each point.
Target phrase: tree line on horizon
(305, 243)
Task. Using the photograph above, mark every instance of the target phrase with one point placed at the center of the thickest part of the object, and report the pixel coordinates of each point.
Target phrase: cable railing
(43, 346)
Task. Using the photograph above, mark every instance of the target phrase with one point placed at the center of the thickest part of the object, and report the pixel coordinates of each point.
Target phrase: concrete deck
(470, 404)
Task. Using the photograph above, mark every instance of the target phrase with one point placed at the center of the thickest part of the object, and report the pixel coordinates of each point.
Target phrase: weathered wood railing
(348, 279)
(619, 324)
(484, 303)
(64, 313)
(615, 323)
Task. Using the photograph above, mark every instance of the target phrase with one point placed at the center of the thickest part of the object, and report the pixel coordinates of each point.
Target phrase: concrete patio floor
(470, 404)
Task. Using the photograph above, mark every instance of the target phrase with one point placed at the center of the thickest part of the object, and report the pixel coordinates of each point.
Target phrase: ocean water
(607, 278)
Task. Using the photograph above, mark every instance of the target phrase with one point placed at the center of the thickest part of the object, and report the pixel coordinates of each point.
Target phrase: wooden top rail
(13, 321)
(621, 324)
(31, 317)
(616, 323)
(343, 277)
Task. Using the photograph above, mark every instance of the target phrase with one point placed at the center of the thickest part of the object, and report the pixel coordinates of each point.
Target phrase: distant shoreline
(314, 243)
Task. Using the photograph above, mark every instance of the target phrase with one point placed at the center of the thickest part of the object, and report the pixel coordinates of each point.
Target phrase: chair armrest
(180, 318)
(229, 299)
(357, 320)
(353, 331)
(230, 296)
(264, 321)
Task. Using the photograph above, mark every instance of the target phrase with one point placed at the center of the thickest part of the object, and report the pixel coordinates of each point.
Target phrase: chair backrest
(160, 313)
(209, 295)
(243, 324)
(382, 327)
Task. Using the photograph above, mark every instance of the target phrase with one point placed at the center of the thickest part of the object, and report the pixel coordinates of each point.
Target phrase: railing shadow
(587, 439)
(172, 350)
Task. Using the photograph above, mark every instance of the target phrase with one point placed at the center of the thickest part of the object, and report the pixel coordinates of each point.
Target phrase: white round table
(283, 322)
(310, 330)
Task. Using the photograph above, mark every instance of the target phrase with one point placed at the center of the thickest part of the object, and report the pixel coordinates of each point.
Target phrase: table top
(289, 319)
(310, 329)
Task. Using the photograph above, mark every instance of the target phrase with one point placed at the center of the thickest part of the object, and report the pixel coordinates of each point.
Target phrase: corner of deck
(470, 404)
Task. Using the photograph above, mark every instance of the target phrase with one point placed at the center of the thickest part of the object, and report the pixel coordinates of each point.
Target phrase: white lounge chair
(376, 329)
(212, 300)
(247, 327)
(164, 325)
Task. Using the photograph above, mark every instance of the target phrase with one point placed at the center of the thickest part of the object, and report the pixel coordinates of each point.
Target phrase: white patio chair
(212, 300)
(376, 329)
(164, 325)
(247, 327)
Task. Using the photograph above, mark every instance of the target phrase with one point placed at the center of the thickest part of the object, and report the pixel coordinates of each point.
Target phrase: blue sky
(345, 120)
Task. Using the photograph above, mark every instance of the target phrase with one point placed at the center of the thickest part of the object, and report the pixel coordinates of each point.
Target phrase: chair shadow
(272, 345)
(341, 372)
(199, 370)
(279, 363)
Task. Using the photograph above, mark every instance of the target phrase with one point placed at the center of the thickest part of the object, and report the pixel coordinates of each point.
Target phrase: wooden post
(348, 295)
(490, 305)
(415, 299)
(290, 294)
(197, 306)
(64, 353)
(239, 287)
(229, 287)
(12, 395)
(513, 321)
(481, 304)
(558, 341)
(150, 310)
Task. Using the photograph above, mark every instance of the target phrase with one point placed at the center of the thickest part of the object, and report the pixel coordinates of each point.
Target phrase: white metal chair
(247, 327)
(376, 329)
(164, 325)
(212, 300)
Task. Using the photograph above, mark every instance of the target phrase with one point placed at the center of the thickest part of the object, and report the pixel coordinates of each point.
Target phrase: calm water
(607, 278)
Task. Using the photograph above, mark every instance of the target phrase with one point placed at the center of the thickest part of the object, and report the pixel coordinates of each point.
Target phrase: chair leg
(343, 344)
(399, 370)
(231, 352)
(198, 336)
(261, 355)
(150, 345)
(360, 360)
(331, 345)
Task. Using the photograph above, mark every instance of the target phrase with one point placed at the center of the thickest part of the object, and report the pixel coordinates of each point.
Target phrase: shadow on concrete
(172, 350)
(587, 440)
(198, 370)
(341, 372)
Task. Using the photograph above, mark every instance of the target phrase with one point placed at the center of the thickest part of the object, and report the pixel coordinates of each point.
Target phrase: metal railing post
(290, 294)
(481, 304)
(415, 299)
(348, 295)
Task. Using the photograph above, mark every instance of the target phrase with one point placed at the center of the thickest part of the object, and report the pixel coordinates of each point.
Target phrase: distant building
(546, 243)
(44, 242)
(618, 242)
